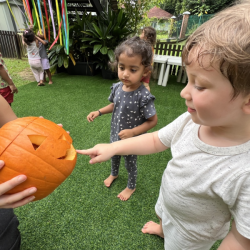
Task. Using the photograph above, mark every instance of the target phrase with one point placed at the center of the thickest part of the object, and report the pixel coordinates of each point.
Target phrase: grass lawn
(82, 213)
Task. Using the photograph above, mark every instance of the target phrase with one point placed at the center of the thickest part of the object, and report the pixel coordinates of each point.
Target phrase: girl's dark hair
(135, 46)
(150, 35)
(28, 36)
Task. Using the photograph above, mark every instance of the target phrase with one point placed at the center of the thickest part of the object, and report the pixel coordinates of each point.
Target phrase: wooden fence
(11, 45)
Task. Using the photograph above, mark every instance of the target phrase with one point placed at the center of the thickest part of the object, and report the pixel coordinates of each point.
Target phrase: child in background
(207, 182)
(31, 42)
(44, 57)
(132, 106)
(148, 34)
(7, 87)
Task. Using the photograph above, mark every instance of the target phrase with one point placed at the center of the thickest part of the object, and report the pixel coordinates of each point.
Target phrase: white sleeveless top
(33, 51)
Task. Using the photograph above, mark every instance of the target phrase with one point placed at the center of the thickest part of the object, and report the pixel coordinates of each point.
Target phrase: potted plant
(104, 35)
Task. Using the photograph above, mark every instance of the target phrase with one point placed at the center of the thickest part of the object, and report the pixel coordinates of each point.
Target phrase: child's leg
(130, 164)
(37, 70)
(153, 228)
(34, 70)
(115, 163)
(49, 75)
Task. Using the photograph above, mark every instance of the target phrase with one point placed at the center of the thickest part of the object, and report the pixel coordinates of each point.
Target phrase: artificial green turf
(82, 213)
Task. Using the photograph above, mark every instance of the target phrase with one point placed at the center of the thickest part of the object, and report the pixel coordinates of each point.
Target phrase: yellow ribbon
(37, 18)
(13, 14)
(58, 20)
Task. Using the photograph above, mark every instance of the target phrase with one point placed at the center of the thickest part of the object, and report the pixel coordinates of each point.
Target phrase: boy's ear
(246, 106)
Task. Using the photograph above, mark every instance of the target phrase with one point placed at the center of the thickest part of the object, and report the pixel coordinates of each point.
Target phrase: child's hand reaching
(126, 133)
(99, 153)
(91, 116)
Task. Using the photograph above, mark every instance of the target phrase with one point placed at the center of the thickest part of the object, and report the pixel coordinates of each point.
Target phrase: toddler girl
(31, 42)
(44, 57)
(148, 34)
(132, 106)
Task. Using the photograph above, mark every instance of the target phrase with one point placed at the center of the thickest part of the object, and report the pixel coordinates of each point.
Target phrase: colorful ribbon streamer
(47, 19)
(66, 11)
(30, 14)
(58, 20)
(12, 14)
(52, 18)
(64, 24)
(56, 37)
(37, 18)
(40, 14)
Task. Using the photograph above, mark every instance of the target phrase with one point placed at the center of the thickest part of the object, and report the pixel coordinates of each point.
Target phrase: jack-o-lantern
(39, 149)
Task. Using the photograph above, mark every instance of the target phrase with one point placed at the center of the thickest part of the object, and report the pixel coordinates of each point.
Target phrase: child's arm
(105, 110)
(7, 79)
(141, 145)
(234, 240)
(23, 41)
(144, 127)
(41, 40)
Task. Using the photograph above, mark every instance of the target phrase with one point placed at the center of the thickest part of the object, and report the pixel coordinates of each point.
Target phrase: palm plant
(105, 34)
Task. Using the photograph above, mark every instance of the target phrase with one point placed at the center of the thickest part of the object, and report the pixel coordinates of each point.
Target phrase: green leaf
(59, 47)
(104, 50)
(97, 30)
(111, 55)
(60, 60)
(66, 62)
(96, 48)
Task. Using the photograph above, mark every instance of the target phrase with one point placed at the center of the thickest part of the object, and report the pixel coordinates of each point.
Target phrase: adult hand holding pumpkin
(18, 199)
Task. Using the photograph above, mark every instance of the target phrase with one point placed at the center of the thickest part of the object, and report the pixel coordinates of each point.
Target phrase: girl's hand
(91, 116)
(126, 133)
(99, 153)
(18, 199)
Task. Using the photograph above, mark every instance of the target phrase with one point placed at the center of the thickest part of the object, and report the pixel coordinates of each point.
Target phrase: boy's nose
(185, 93)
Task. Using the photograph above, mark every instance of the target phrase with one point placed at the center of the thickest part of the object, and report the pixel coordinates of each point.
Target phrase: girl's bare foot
(50, 82)
(109, 180)
(125, 194)
(153, 228)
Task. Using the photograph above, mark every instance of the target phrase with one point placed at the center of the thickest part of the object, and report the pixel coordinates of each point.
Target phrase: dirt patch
(27, 75)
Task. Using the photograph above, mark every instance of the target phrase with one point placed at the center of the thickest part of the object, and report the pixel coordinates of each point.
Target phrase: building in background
(159, 19)
(7, 21)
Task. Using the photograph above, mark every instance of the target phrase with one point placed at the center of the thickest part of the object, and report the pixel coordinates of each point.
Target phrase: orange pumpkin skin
(39, 149)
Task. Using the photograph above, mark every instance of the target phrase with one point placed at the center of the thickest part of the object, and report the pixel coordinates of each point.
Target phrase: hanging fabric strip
(64, 24)
(13, 14)
(26, 11)
(47, 19)
(28, 6)
(25, 17)
(58, 20)
(56, 37)
(66, 13)
(52, 19)
(40, 14)
(37, 18)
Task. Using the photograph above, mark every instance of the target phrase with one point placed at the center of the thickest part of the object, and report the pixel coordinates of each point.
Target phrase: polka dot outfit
(131, 109)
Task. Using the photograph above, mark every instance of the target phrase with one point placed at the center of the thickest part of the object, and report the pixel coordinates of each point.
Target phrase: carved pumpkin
(39, 149)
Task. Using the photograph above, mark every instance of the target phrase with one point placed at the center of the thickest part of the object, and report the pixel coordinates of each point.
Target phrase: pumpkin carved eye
(36, 140)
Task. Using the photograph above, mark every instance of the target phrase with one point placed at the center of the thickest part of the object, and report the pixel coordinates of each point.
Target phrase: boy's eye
(133, 70)
(121, 68)
(199, 88)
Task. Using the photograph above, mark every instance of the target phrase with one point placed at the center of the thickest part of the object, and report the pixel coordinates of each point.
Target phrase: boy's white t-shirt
(204, 185)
